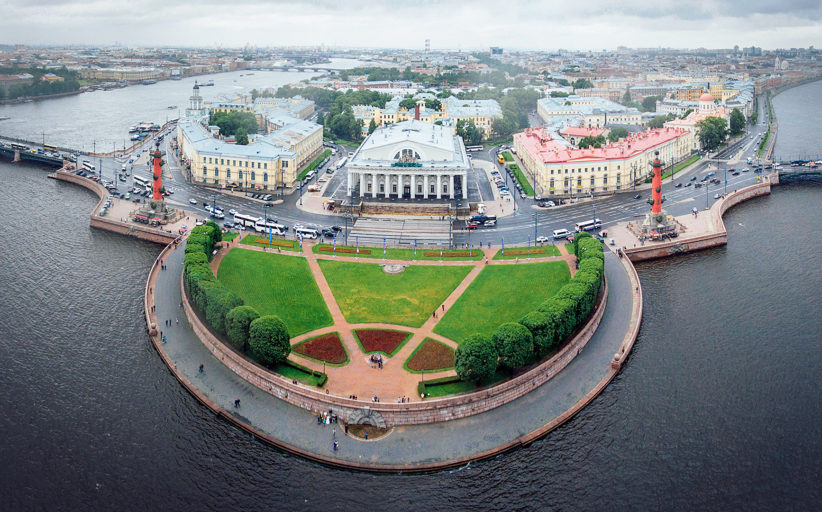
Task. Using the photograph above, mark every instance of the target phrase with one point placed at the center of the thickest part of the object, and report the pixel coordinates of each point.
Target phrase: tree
(579, 237)
(476, 359)
(626, 98)
(686, 113)
(737, 122)
(219, 301)
(649, 103)
(562, 312)
(514, 343)
(231, 122)
(241, 137)
(469, 132)
(753, 118)
(237, 324)
(617, 133)
(372, 126)
(541, 326)
(711, 132)
(658, 122)
(559, 94)
(433, 104)
(582, 83)
(591, 142)
(408, 103)
(268, 340)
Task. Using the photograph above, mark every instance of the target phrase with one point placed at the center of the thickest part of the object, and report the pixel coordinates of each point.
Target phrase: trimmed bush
(190, 248)
(588, 248)
(216, 231)
(219, 301)
(592, 264)
(237, 323)
(578, 237)
(541, 326)
(199, 292)
(578, 294)
(476, 358)
(193, 258)
(514, 343)
(196, 272)
(563, 313)
(269, 340)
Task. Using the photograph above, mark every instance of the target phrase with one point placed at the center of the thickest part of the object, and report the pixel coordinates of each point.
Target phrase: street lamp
(535, 229)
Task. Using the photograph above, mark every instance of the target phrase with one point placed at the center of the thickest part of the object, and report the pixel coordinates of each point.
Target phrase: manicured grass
(763, 143)
(681, 166)
(452, 385)
(523, 182)
(500, 294)
(313, 165)
(276, 284)
(276, 242)
(299, 373)
(366, 294)
(506, 155)
(398, 254)
(325, 347)
(543, 251)
(430, 356)
(227, 237)
(385, 341)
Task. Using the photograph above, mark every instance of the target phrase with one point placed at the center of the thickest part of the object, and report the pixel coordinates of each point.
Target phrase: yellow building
(481, 112)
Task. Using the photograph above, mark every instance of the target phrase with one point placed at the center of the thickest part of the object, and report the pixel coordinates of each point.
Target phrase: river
(717, 408)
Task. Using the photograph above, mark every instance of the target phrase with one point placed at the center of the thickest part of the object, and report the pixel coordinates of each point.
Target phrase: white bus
(471, 149)
(139, 180)
(342, 162)
(307, 232)
(248, 221)
(88, 166)
(588, 225)
(262, 226)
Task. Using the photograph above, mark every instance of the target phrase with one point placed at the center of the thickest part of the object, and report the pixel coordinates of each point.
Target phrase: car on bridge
(192, 201)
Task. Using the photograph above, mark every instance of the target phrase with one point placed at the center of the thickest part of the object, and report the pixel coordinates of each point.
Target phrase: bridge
(300, 68)
(798, 173)
(18, 155)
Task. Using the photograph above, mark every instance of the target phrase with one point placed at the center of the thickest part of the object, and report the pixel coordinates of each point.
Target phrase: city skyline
(520, 26)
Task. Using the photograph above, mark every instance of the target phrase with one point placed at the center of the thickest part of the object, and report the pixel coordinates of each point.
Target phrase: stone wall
(717, 238)
(147, 233)
(394, 414)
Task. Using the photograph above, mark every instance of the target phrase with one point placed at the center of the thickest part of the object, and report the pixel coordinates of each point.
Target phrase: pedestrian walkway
(411, 447)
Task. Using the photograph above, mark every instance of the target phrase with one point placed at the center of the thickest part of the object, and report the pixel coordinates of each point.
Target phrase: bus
(341, 162)
(88, 166)
(471, 149)
(588, 225)
(51, 149)
(139, 180)
(263, 226)
(307, 232)
(248, 221)
(500, 158)
(19, 147)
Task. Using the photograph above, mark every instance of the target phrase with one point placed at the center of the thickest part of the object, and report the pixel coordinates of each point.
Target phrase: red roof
(541, 146)
(581, 131)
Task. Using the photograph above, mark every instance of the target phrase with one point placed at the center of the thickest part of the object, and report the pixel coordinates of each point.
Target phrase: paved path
(410, 446)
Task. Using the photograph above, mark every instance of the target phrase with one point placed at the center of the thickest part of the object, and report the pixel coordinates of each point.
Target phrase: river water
(717, 408)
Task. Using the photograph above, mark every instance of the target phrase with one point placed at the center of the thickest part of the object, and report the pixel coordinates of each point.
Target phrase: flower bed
(346, 250)
(326, 347)
(450, 254)
(431, 355)
(520, 252)
(381, 340)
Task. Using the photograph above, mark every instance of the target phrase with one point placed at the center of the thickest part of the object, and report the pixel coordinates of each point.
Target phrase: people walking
(236, 402)
(201, 368)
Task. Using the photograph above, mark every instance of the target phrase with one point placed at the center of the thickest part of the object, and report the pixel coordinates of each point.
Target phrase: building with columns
(412, 160)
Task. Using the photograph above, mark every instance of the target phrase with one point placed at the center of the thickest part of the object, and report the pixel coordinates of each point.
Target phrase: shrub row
(537, 333)
(265, 338)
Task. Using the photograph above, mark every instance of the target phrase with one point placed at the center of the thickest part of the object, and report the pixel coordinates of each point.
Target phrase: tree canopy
(582, 83)
(712, 132)
(617, 133)
(592, 142)
(269, 340)
(737, 122)
(649, 103)
(514, 343)
(234, 122)
(476, 358)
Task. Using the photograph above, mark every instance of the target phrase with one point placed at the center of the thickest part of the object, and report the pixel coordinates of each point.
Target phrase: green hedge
(313, 165)
(523, 182)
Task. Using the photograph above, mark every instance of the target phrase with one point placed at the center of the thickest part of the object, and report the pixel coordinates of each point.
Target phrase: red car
(471, 225)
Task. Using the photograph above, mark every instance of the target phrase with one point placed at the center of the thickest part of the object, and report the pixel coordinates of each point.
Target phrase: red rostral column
(157, 171)
(656, 185)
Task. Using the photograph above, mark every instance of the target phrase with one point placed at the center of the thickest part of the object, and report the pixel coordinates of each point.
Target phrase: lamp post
(726, 181)
(535, 229)
(706, 194)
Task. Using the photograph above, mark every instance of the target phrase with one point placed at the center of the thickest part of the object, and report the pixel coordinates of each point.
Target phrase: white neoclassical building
(412, 160)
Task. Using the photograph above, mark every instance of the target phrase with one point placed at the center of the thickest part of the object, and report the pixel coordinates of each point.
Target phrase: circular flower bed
(380, 340)
(431, 355)
(326, 347)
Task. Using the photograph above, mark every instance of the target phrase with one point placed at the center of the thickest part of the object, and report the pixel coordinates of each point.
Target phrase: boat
(132, 129)
(171, 107)
(149, 81)
(207, 84)
(3, 118)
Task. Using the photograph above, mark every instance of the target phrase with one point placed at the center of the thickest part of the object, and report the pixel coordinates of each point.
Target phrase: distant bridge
(18, 155)
(299, 68)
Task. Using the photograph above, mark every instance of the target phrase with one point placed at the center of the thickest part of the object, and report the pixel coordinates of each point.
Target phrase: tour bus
(88, 166)
(307, 232)
(139, 180)
(588, 225)
(48, 148)
(342, 162)
(248, 221)
(262, 227)
(471, 149)
(19, 147)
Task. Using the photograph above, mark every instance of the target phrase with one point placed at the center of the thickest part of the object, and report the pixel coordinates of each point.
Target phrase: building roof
(434, 146)
(581, 131)
(202, 141)
(707, 97)
(544, 147)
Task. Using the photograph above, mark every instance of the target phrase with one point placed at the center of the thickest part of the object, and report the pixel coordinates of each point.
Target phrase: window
(234, 162)
(205, 171)
(209, 159)
(619, 178)
(552, 171)
(552, 183)
(394, 188)
(240, 174)
(265, 177)
(433, 189)
(222, 162)
(258, 165)
(382, 188)
(246, 164)
(605, 179)
(419, 189)
(579, 182)
(228, 173)
(285, 164)
(252, 175)
(592, 182)
(265, 166)
(216, 171)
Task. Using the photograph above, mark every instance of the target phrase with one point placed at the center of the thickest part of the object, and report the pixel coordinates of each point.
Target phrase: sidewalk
(410, 447)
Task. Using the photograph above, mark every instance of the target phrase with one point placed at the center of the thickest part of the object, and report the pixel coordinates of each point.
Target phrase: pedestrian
(164, 339)
(177, 320)
(236, 402)
(161, 334)
(443, 307)
(201, 368)
(336, 445)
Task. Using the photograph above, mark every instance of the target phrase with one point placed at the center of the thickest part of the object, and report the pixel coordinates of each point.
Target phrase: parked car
(638, 196)
(232, 211)
(543, 239)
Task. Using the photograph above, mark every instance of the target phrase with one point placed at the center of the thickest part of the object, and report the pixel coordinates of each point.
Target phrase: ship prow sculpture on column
(156, 211)
(657, 220)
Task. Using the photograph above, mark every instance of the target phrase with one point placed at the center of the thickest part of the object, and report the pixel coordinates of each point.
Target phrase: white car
(192, 201)
(543, 239)
(232, 211)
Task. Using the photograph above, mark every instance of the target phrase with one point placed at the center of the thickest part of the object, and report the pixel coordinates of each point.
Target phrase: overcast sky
(468, 24)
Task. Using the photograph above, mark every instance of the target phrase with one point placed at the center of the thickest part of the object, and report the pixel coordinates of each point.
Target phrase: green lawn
(502, 293)
(276, 284)
(227, 237)
(544, 252)
(507, 156)
(523, 182)
(399, 254)
(298, 373)
(313, 165)
(366, 294)
(277, 242)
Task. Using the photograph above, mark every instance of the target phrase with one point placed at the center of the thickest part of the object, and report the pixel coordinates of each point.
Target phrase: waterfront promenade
(407, 448)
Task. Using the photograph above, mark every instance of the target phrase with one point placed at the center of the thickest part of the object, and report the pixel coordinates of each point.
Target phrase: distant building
(124, 74)
(9, 81)
(561, 169)
(593, 112)
(706, 108)
(496, 50)
(51, 78)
